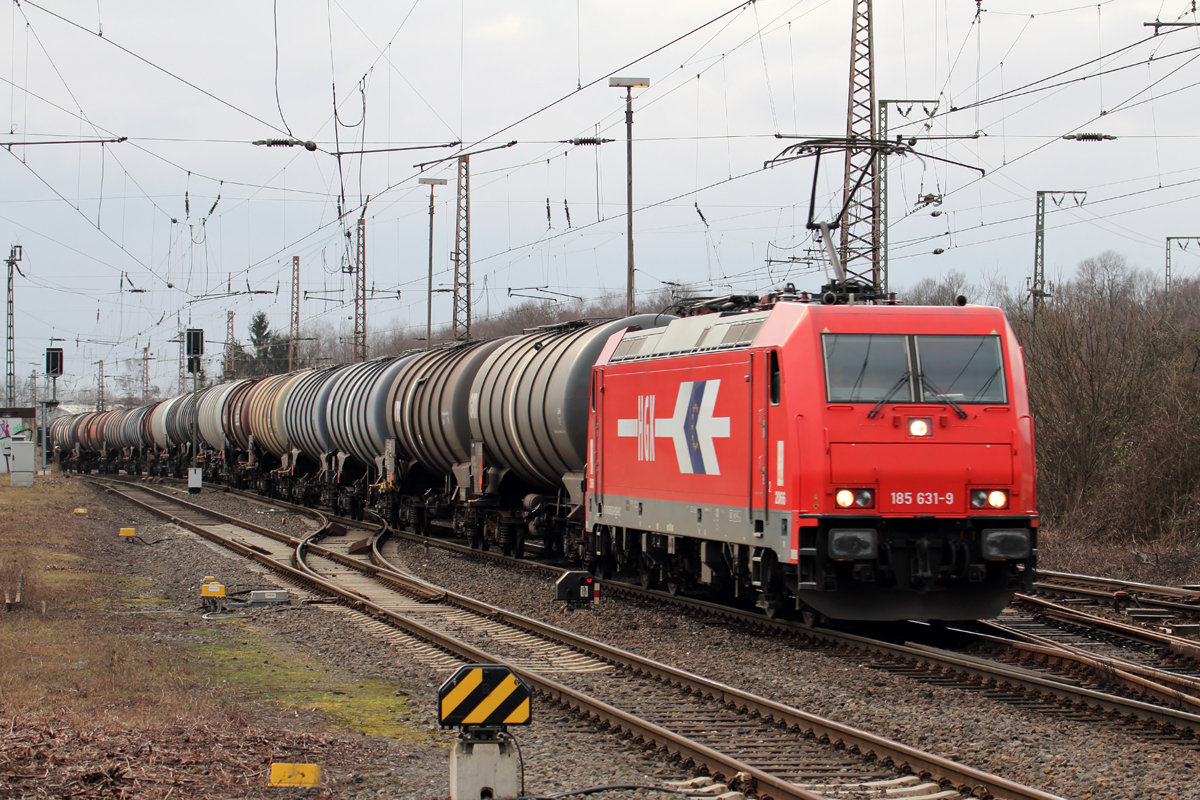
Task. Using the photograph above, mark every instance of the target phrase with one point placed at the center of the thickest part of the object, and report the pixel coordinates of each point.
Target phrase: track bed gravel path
(560, 752)
(1074, 760)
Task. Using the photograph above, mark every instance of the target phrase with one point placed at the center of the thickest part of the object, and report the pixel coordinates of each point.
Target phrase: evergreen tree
(270, 348)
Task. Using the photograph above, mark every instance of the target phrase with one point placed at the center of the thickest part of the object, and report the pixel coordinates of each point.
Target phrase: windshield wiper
(925, 382)
(891, 392)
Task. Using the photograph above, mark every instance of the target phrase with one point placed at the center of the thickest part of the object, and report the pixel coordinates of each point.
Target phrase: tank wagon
(851, 461)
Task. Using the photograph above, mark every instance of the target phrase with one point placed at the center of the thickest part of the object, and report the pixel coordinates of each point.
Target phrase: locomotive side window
(867, 368)
(774, 374)
(965, 369)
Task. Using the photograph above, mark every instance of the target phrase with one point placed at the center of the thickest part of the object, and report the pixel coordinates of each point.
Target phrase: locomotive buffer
(482, 700)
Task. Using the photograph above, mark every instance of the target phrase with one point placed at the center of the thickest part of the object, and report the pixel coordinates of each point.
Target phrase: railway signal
(482, 700)
(195, 349)
(577, 589)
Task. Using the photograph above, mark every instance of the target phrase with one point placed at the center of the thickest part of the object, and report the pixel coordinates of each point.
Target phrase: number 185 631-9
(922, 498)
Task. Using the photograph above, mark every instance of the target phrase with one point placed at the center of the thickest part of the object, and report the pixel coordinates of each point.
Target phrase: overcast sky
(122, 242)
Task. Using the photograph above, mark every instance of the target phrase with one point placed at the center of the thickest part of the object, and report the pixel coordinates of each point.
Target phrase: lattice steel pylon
(1037, 287)
(100, 388)
(10, 374)
(360, 292)
(229, 343)
(462, 254)
(182, 360)
(146, 374)
(294, 339)
(861, 224)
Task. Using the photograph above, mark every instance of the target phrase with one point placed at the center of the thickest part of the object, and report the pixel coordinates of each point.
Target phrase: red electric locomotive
(852, 461)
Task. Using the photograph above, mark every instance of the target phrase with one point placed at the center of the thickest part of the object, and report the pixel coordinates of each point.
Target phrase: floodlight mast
(431, 183)
(629, 84)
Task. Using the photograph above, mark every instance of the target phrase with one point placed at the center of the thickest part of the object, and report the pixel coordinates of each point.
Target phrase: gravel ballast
(560, 751)
(1072, 759)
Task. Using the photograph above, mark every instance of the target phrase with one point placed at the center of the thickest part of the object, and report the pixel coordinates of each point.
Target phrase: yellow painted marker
(295, 775)
(81, 511)
(128, 532)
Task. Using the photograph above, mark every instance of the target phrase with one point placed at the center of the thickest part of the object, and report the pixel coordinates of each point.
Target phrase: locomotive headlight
(851, 545)
(1001, 544)
(920, 426)
(989, 498)
(854, 498)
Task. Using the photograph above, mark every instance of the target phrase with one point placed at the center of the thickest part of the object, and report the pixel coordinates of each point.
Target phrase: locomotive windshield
(890, 368)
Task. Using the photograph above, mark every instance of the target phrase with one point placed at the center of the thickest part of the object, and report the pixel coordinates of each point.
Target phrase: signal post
(482, 700)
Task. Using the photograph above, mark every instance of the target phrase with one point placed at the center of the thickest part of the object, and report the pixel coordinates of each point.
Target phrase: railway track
(748, 742)
(1167, 606)
(1043, 674)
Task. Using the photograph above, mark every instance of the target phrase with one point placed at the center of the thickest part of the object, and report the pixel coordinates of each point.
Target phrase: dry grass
(1172, 560)
(113, 667)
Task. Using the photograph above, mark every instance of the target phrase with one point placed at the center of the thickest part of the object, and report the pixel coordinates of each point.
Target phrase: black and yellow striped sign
(483, 695)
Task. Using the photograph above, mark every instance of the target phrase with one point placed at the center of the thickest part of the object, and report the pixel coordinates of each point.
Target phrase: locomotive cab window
(866, 368)
(965, 369)
(874, 368)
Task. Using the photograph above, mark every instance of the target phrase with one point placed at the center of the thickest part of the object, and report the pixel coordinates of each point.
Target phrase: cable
(278, 104)
(32, 171)
(520, 757)
(616, 787)
(150, 63)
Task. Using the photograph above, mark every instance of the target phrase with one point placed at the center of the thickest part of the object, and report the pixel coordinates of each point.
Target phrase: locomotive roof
(708, 333)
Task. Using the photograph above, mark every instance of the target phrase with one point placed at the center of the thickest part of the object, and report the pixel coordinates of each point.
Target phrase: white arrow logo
(692, 428)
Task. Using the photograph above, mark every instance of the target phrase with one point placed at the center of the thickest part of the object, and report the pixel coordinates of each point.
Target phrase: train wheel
(674, 586)
(647, 573)
(518, 549)
(605, 568)
(810, 617)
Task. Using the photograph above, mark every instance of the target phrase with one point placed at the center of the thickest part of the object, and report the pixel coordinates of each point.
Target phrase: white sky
(436, 72)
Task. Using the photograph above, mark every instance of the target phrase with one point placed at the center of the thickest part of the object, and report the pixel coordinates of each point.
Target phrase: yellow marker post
(295, 775)
(130, 532)
(81, 511)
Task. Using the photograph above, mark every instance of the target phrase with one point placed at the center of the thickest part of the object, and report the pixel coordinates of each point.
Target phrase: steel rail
(857, 741)
(1176, 644)
(1176, 691)
(703, 758)
(1119, 585)
(1171, 715)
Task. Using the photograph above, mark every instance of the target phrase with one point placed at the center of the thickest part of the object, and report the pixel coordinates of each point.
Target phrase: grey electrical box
(269, 598)
(20, 463)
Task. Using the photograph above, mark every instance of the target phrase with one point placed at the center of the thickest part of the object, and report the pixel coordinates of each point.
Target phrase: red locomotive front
(855, 461)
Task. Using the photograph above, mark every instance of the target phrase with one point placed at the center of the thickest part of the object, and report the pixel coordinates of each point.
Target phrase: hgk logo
(692, 428)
